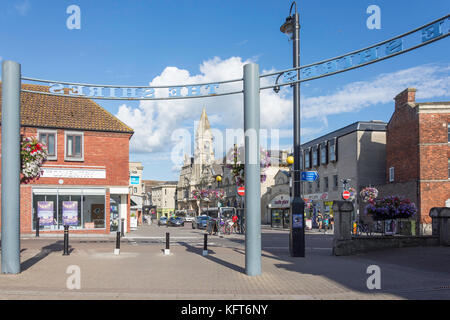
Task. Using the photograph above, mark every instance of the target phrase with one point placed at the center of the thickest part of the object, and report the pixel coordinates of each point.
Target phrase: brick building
(418, 155)
(87, 166)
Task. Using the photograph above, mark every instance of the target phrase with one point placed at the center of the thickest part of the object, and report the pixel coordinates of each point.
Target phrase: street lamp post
(297, 225)
(219, 180)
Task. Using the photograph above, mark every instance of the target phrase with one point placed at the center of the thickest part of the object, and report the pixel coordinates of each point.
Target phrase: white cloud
(154, 121)
(430, 81)
(23, 8)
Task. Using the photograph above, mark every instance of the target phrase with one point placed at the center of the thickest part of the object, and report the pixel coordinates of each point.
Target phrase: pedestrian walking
(319, 220)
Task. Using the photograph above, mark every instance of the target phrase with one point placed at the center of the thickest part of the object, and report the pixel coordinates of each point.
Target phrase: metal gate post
(11, 83)
(252, 171)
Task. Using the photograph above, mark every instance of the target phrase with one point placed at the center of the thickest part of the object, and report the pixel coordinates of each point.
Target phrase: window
(332, 150)
(135, 190)
(74, 146)
(323, 153)
(448, 132)
(81, 209)
(307, 159)
(391, 174)
(335, 182)
(315, 161)
(310, 187)
(49, 139)
(325, 182)
(318, 185)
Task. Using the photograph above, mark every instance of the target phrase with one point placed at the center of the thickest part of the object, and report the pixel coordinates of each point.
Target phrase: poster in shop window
(70, 213)
(45, 213)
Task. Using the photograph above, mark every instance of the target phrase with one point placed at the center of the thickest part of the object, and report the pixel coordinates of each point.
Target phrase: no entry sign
(346, 195)
(241, 191)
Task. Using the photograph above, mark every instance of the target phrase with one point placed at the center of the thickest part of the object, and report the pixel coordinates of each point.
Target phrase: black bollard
(122, 227)
(205, 244)
(66, 241)
(37, 227)
(117, 250)
(167, 250)
(118, 240)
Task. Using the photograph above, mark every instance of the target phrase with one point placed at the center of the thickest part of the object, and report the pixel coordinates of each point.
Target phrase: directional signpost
(310, 176)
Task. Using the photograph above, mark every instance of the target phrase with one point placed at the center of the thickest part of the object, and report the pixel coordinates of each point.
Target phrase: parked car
(200, 222)
(175, 222)
(187, 216)
(162, 221)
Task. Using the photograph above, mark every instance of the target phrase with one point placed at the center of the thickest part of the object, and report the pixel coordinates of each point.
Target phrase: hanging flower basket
(32, 154)
(393, 207)
(369, 194)
(237, 165)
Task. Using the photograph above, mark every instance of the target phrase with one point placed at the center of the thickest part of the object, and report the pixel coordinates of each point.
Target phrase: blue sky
(142, 42)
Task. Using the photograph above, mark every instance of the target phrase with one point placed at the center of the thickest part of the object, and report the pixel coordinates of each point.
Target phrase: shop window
(74, 146)
(49, 138)
(68, 207)
(114, 205)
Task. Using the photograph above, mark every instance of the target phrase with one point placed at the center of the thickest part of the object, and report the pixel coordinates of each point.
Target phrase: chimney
(406, 96)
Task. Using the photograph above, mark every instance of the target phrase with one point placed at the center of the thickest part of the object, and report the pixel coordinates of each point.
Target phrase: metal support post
(10, 190)
(252, 171)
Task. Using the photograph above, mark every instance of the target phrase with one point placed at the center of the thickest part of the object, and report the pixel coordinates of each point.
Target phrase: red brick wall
(434, 155)
(402, 138)
(110, 150)
(417, 147)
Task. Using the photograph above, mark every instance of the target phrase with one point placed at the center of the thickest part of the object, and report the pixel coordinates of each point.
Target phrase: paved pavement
(142, 271)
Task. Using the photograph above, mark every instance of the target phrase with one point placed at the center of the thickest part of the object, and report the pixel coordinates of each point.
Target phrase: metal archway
(11, 88)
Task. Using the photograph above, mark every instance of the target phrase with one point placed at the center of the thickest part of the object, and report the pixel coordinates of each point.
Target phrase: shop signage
(70, 213)
(317, 196)
(73, 173)
(281, 201)
(45, 213)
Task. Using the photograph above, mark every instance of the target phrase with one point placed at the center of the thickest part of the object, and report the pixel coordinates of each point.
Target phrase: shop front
(82, 209)
(279, 208)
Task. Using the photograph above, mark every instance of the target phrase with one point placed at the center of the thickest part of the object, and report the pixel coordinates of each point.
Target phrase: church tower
(204, 151)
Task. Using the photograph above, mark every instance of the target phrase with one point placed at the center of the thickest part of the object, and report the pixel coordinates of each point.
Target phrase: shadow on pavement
(45, 251)
(199, 251)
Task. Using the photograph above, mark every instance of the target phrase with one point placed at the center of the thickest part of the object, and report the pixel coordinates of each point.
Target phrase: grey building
(356, 152)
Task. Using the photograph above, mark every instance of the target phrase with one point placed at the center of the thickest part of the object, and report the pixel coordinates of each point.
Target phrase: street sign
(241, 191)
(346, 195)
(309, 176)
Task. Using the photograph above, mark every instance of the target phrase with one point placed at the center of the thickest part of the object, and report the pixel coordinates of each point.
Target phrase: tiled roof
(39, 110)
